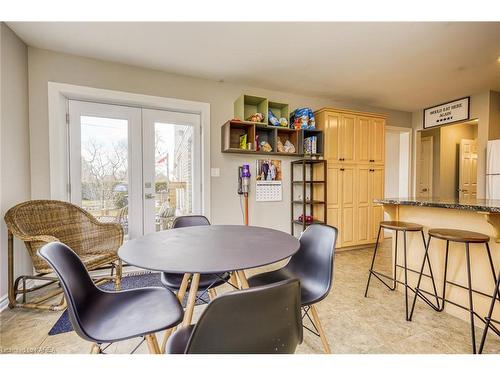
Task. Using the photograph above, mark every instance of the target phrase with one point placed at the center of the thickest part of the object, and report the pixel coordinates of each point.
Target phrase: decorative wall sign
(447, 113)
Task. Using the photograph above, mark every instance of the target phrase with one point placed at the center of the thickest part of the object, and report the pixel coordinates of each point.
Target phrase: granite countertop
(484, 205)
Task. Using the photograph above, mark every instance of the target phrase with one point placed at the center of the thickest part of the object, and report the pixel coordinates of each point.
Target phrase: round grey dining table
(210, 249)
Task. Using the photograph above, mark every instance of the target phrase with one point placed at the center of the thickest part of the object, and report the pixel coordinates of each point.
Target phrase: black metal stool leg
(394, 283)
(430, 271)
(373, 261)
(490, 313)
(420, 278)
(406, 275)
(492, 268)
(445, 275)
(471, 305)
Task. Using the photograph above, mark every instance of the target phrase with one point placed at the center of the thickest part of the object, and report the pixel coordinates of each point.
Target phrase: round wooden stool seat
(457, 235)
(401, 225)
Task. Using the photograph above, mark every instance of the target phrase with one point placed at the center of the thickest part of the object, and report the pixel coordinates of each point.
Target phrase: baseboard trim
(4, 302)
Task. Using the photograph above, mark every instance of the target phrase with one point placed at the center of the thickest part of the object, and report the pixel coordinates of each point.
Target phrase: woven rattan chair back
(37, 222)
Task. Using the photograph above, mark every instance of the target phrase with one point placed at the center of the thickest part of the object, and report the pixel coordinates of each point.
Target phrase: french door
(134, 166)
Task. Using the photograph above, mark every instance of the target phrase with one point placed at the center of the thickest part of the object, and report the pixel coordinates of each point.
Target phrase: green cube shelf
(248, 105)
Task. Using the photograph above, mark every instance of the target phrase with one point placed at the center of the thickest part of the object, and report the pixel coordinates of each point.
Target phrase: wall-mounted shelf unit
(232, 130)
(307, 175)
(280, 110)
(248, 105)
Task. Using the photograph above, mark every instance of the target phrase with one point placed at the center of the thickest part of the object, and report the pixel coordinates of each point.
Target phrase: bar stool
(460, 236)
(398, 226)
(489, 319)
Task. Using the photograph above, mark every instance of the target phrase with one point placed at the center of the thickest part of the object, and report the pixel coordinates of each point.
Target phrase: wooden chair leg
(212, 294)
(234, 280)
(193, 291)
(118, 278)
(95, 349)
(243, 279)
(318, 325)
(152, 344)
(180, 295)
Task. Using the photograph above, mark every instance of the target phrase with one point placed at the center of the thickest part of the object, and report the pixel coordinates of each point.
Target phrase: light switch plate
(215, 172)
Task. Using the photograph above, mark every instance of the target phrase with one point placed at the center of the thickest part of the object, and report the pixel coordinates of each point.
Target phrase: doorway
(447, 161)
(397, 162)
(134, 166)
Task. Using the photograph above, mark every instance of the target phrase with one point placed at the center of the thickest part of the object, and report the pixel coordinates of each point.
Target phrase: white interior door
(468, 169)
(171, 167)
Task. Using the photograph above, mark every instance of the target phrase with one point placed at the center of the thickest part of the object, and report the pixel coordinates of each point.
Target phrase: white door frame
(58, 95)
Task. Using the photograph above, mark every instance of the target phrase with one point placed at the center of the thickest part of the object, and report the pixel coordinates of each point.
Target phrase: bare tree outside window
(104, 166)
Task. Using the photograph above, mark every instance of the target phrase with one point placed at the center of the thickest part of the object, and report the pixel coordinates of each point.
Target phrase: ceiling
(405, 66)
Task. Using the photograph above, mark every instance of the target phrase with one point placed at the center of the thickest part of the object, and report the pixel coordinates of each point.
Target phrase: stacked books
(310, 145)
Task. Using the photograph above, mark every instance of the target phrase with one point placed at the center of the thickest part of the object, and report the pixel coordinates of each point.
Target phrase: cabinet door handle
(342, 169)
(372, 161)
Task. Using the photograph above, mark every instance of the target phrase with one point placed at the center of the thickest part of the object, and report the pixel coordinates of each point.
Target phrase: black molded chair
(262, 320)
(207, 282)
(106, 317)
(313, 266)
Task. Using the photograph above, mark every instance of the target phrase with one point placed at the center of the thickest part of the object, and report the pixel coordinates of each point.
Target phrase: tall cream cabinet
(354, 151)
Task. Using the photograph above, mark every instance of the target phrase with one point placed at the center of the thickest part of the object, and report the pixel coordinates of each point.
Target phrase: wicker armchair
(38, 222)
(165, 217)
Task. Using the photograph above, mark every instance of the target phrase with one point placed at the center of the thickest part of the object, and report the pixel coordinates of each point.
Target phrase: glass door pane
(171, 175)
(173, 172)
(104, 166)
(100, 166)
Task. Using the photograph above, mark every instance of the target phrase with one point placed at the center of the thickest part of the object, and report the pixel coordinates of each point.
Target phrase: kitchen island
(478, 215)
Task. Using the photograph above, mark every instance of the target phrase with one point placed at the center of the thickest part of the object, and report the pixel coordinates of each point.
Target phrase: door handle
(149, 196)
(424, 190)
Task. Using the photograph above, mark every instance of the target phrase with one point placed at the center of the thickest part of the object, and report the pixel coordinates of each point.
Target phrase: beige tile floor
(353, 324)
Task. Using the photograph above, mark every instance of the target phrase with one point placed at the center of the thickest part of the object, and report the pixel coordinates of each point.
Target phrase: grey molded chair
(262, 320)
(174, 280)
(313, 266)
(106, 317)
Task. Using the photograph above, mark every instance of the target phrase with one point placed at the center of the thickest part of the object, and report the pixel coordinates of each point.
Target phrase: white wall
(45, 66)
(14, 140)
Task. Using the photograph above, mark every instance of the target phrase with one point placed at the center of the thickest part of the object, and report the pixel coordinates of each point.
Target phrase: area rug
(63, 324)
